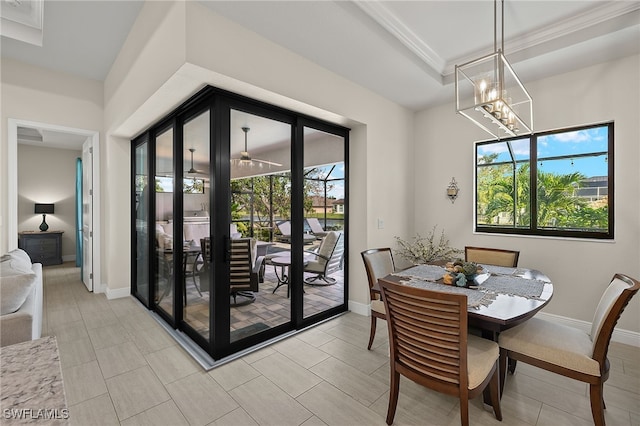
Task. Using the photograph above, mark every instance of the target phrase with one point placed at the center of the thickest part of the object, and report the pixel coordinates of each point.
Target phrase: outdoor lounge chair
(316, 228)
(285, 233)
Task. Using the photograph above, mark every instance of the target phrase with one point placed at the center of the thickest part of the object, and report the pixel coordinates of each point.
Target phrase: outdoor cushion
(16, 284)
(554, 343)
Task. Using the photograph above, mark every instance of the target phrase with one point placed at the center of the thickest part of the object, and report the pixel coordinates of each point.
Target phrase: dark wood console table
(43, 247)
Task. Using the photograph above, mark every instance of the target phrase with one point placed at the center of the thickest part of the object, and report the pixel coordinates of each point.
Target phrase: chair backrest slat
(241, 274)
(428, 332)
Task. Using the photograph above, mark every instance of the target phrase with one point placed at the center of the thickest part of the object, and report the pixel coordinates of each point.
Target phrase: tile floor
(120, 367)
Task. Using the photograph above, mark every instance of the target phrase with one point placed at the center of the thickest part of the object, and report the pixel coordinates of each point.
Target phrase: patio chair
(244, 269)
(569, 351)
(316, 228)
(491, 256)
(326, 260)
(429, 344)
(378, 263)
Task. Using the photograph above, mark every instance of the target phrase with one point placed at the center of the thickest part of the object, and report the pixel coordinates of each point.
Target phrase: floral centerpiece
(427, 249)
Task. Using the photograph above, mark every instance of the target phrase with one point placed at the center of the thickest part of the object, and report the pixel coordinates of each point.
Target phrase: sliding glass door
(324, 193)
(197, 276)
(229, 195)
(260, 184)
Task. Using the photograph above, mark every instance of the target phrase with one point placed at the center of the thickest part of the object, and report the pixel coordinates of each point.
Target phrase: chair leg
(494, 386)
(597, 403)
(464, 410)
(512, 365)
(393, 396)
(372, 334)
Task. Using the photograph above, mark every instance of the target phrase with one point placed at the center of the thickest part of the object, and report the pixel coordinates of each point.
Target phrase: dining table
(498, 298)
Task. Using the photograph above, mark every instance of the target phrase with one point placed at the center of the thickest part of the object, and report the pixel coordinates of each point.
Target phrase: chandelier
(489, 93)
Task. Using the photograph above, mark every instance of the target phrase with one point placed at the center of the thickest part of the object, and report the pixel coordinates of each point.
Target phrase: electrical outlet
(380, 223)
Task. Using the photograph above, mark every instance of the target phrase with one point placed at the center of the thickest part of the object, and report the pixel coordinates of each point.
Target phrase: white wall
(580, 270)
(381, 137)
(48, 175)
(33, 94)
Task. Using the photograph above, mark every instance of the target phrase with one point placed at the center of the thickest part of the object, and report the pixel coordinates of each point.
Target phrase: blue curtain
(79, 214)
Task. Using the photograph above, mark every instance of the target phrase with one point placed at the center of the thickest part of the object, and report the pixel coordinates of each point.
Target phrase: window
(557, 183)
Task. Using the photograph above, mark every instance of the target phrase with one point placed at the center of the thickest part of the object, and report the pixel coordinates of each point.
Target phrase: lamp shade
(44, 208)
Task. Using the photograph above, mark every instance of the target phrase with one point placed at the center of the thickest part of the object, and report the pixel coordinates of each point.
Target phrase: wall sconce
(44, 209)
(452, 190)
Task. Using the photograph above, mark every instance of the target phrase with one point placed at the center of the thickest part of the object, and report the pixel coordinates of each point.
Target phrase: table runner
(424, 276)
(475, 298)
(513, 286)
(502, 270)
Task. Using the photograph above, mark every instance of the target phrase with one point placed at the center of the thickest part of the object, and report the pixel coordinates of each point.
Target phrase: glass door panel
(324, 202)
(259, 250)
(196, 253)
(141, 183)
(166, 241)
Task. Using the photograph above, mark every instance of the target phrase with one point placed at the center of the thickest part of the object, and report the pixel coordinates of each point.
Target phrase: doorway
(59, 137)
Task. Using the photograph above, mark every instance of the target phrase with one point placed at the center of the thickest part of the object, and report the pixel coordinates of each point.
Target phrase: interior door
(87, 214)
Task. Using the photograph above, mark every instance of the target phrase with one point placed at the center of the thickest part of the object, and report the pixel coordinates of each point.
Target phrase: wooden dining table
(501, 310)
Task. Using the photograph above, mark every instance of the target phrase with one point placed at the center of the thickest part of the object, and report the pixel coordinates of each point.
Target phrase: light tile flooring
(120, 367)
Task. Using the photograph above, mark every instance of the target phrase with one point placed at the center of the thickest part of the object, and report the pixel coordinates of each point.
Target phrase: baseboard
(359, 308)
(627, 337)
(117, 293)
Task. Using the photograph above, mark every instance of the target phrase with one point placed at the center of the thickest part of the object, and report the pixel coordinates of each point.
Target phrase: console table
(43, 247)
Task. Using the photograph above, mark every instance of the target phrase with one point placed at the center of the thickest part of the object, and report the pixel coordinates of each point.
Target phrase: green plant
(427, 249)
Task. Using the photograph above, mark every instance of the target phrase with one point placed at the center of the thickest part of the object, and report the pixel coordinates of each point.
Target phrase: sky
(560, 144)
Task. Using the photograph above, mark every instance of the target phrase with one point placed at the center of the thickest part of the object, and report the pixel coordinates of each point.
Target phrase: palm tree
(555, 197)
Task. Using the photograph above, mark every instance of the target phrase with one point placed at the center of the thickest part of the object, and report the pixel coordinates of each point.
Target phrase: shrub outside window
(557, 183)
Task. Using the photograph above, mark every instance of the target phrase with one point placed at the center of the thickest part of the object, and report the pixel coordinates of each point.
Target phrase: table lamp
(44, 209)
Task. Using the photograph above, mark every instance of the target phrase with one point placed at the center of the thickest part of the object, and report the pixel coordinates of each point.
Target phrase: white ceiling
(404, 50)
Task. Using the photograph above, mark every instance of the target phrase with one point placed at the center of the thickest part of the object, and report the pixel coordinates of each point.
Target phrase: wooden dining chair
(571, 352)
(378, 263)
(491, 256)
(429, 344)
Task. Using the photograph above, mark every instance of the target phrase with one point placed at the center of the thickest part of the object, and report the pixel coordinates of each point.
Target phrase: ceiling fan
(246, 160)
(193, 170)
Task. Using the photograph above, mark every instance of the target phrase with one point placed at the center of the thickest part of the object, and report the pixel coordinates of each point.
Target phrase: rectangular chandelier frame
(489, 91)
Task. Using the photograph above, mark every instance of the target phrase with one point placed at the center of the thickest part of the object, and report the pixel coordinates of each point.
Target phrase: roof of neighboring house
(318, 201)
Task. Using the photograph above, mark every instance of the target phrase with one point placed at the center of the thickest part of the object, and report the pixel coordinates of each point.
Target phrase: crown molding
(394, 25)
(22, 20)
(590, 19)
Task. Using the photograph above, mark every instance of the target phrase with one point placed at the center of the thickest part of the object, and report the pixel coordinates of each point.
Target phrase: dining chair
(569, 351)
(429, 344)
(378, 262)
(491, 256)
